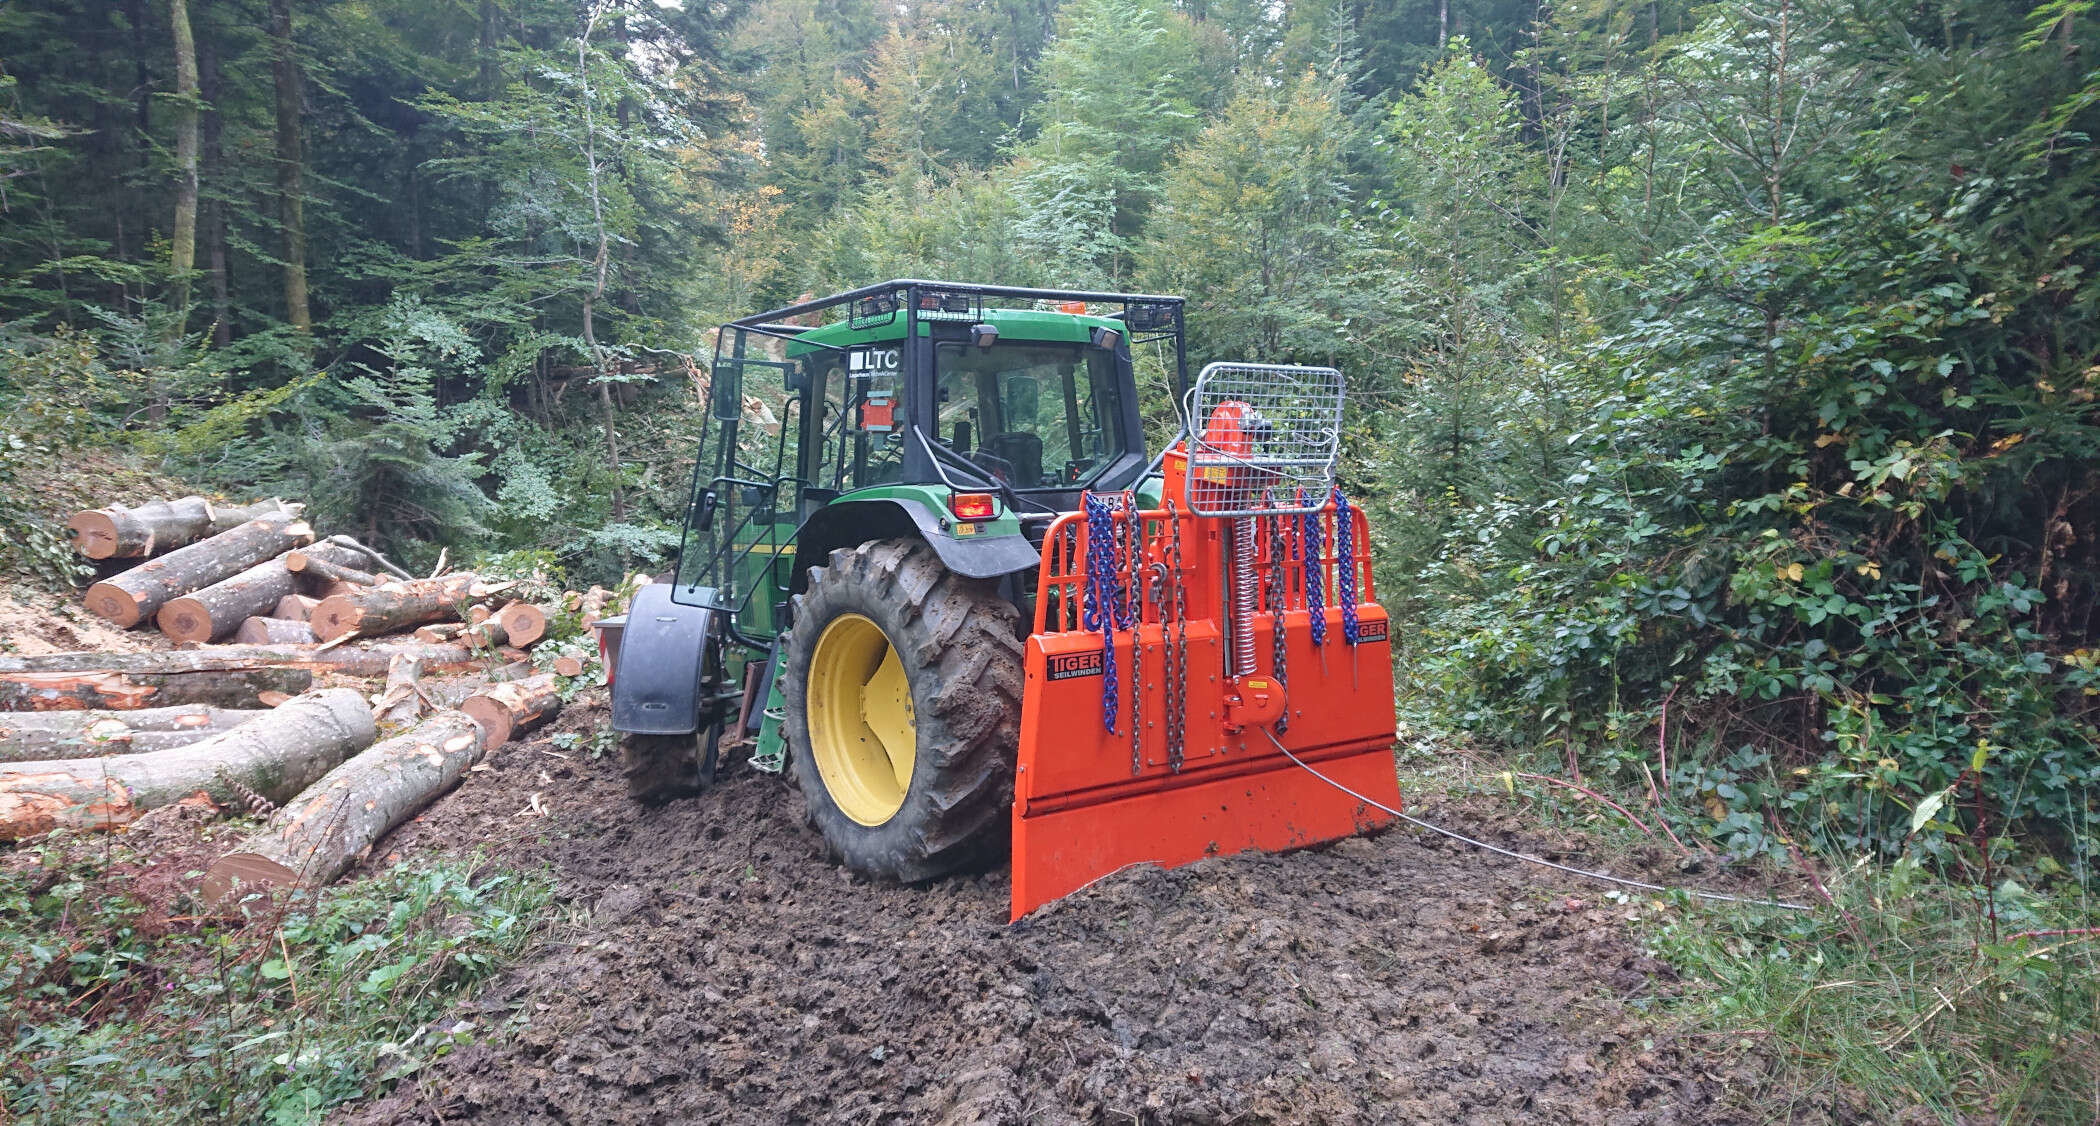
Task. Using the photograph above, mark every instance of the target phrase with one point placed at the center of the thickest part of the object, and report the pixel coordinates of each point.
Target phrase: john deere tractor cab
(928, 563)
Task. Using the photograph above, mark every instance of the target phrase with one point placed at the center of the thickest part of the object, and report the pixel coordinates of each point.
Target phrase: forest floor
(717, 967)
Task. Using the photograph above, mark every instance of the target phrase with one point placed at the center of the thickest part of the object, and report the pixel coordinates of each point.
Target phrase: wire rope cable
(1540, 861)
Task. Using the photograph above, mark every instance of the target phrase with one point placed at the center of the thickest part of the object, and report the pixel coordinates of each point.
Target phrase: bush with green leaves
(1820, 505)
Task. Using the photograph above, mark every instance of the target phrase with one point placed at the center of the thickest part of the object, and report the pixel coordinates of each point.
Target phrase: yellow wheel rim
(861, 731)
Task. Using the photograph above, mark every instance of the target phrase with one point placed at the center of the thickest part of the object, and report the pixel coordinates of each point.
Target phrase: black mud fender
(855, 522)
(663, 652)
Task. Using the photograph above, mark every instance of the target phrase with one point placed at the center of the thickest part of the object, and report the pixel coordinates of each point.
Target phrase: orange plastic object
(1082, 809)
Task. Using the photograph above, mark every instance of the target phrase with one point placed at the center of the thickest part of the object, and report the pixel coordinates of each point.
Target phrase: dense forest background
(1722, 374)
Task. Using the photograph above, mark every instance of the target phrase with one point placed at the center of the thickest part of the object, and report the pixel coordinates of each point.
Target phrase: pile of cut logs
(94, 740)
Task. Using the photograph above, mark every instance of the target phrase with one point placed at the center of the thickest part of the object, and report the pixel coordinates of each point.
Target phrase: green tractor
(892, 481)
(873, 536)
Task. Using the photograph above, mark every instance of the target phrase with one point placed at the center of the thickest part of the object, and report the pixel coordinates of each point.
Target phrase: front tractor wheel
(903, 685)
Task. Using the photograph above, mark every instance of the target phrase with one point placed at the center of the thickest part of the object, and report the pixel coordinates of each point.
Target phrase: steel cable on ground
(1540, 861)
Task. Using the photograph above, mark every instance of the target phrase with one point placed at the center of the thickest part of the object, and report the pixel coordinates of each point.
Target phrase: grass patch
(1903, 1000)
(126, 1002)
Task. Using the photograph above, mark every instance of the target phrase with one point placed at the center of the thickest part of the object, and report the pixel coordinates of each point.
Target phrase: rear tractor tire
(903, 685)
(662, 768)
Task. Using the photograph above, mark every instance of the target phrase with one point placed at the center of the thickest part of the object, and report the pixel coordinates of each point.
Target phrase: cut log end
(524, 622)
(185, 619)
(114, 604)
(504, 711)
(568, 666)
(244, 871)
(94, 534)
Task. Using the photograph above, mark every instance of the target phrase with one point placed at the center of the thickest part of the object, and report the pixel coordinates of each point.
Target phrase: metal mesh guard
(1259, 435)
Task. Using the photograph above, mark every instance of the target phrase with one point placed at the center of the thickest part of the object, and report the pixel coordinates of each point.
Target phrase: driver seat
(1023, 451)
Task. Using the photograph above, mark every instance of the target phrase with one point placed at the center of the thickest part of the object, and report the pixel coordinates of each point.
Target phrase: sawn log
(219, 609)
(137, 594)
(91, 734)
(276, 755)
(398, 606)
(118, 532)
(508, 710)
(316, 838)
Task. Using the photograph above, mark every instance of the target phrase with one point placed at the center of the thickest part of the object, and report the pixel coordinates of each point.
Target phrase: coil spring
(1245, 598)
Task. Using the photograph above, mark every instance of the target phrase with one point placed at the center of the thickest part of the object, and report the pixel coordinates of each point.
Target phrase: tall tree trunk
(184, 257)
(212, 212)
(600, 264)
(291, 189)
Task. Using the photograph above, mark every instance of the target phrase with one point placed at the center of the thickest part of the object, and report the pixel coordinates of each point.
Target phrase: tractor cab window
(1033, 415)
(859, 420)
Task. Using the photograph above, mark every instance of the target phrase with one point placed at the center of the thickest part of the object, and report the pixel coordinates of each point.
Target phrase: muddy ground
(719, 969)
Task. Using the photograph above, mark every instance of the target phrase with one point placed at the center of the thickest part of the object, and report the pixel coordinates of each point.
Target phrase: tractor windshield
(1034, 415)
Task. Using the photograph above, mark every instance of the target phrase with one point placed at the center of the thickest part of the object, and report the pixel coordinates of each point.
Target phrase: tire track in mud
(723, 971)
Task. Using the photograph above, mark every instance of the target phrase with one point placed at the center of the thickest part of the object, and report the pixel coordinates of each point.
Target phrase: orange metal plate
(1275, 806)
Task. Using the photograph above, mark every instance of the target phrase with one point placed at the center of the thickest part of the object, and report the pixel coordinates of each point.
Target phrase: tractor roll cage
(1150, 318)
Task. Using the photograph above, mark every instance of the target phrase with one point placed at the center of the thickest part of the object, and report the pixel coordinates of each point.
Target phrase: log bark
(356, 659)
(330, 550)
(401, 701)
(129, 691)
(510, 709)
(525, 623)
(273, 631)
(117, 532)
(591, 606)
(316, 838)
(293, 608)
(219, 609)
(397, 606)
(139, 593)
(320, 571)
(275, 755)
(67, 735)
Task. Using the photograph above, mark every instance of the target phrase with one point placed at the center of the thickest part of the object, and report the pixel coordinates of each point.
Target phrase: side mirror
(704, 514)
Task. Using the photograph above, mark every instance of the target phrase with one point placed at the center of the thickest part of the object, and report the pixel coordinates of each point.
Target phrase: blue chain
(1315, 572)
(1107, 607)
(1345, 563)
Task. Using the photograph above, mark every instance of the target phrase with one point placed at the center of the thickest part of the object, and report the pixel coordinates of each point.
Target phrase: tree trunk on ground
(130, 691)
(275, 755)
(273, 631)
(117, 532)
(317, 838)
(67, 735)
(291, 188)
(184, 250)
(396, 606)
(510, 709)
(439, 632)
(401, 701)
(139, 593)
(568, 666)
(219, 609)
(361, 659)
(294, 608)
